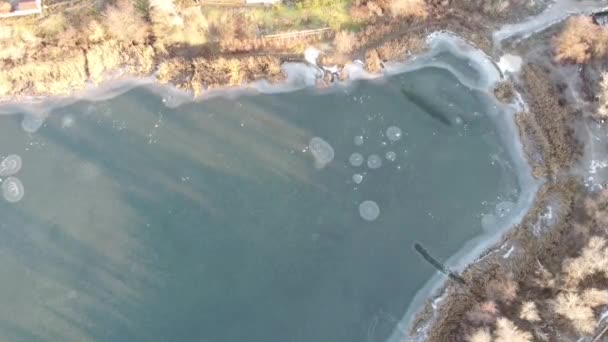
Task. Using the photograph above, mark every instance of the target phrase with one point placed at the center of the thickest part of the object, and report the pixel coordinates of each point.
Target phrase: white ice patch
(510, 63)
(67, 121)
(311, 54)
(597, 164)
(508, 253)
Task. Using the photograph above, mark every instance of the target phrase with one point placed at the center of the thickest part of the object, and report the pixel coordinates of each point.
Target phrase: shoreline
(459, 46)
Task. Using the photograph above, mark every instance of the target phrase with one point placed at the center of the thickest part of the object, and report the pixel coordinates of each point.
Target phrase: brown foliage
(603, 97)
(503, 289)
(345, 41)
(572, 306)
(373, 63)
(504, 92)
(592, 260)
(123, 23)
(580, 40)
(481, 335)
(50, 77)
(409, 8)
(483, 313)
(507, 331)
(112, 55)
(529, 312)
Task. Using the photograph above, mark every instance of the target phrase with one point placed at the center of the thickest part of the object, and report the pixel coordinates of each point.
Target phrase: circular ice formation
(31, 123)
(356, 159)
(67, 121)
(393, 133)
(358, 140)
(488, 222)
(12, 189)
(357, 178)
(10, 165)
(391, 156)
(504, 208)
(369, 210)
(374, 161)
(322, 152)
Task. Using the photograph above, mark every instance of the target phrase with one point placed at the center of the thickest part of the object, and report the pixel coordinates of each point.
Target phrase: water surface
(213, 222)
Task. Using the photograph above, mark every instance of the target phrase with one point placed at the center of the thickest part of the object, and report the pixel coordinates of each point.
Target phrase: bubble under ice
(393, 133)
(322, 152)
(358, 140)
(356, 159)
(31, 123)
(391, 156)
(504, 208)
(12, 189)
(374, 161)
(10, 165)
(357, 178)
(369, 210)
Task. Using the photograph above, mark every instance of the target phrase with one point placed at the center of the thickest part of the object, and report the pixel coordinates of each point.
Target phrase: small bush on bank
(603, 95)
(409, 8)
(123, 23)
(580, 40)
(345, 41)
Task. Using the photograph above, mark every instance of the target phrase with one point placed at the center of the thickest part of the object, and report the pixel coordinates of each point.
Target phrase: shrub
(345, 41)
(481, 335)
(503, 289)
(123, 23)
(409, 8)
(580, 40)
(572, 306)
(529, 312)
(593, 259)
(507, 331)
(603, 95)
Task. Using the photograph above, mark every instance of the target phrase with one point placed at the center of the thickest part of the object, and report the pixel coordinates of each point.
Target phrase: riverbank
(538, 282)
(197, 48)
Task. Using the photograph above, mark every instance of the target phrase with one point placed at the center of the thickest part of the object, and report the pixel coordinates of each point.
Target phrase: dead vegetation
(581, 40)
(138, 37)
(559, 294)
(603, 95)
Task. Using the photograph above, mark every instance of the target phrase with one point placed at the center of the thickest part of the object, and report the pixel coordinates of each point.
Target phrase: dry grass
(112, 55)
(593, 259)
(529, 312)
(345, 41)
(580, 40)
(603, 96)
(481, 335)
(123, 23)
(507, 331)
(45, 77)
(409, 8)
(503, 289)
(572, 306)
